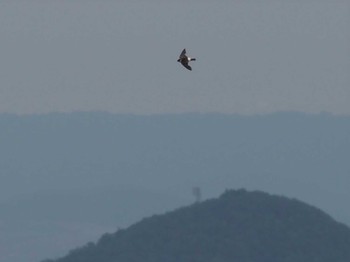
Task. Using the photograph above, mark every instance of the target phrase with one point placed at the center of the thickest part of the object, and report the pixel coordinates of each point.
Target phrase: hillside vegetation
(238, 226)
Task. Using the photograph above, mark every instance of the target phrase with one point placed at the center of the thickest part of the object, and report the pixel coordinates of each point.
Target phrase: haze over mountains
(238, 226)
(62, 174)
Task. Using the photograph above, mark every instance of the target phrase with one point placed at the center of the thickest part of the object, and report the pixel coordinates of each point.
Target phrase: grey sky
(120, 56)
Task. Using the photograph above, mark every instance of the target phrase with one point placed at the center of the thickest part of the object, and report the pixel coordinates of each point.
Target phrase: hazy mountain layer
(54, 168)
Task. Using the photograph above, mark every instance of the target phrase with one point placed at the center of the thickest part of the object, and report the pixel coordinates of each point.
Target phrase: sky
(253, 57)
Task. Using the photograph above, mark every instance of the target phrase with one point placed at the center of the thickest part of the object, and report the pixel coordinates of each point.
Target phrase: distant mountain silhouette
(238, 226)
(52, 167)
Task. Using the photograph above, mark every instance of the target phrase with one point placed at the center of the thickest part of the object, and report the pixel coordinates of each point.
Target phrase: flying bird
(184, 59)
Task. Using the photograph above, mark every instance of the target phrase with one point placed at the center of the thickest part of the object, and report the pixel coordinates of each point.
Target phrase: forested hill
(132, 166)
(238, 226)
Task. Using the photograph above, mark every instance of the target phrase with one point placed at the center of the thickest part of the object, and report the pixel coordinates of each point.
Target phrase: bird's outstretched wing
(183, 53)
(185, 64)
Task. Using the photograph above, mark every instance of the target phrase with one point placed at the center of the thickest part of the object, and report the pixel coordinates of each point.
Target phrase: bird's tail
(193, 59)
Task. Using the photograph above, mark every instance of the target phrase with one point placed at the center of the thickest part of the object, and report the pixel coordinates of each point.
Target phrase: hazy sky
(120, 56)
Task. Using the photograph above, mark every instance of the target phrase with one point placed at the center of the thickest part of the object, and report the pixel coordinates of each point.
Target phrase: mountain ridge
(238, 226)
(289, 153)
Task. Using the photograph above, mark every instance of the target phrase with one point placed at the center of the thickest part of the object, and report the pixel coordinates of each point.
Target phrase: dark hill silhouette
(52, 165)
(238, 226)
